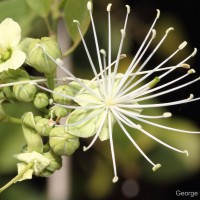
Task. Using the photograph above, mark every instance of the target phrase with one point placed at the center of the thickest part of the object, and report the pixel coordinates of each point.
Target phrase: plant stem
(50, 81)
(13, 120)
(16, 178)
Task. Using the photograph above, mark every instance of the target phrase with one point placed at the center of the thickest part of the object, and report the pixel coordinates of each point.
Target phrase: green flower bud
(41, 100)
(37, 57)
(65, 90)
(42, 126)
(55, 163)
(25, 92)
(61, 142)
(33, 139)
(57, 111)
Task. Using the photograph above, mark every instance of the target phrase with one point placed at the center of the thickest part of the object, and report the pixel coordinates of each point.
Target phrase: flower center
(109, 102)
(5, 54)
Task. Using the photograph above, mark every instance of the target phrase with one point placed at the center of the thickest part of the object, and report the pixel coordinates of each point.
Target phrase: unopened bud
(62, 142)
(25, 92)
(39, 50)
(63, 90)
(41, 100)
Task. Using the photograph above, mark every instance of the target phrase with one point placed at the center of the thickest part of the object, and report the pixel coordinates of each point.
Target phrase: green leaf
(20, 12)
(41, 8)
(76, 10)
(33, 140)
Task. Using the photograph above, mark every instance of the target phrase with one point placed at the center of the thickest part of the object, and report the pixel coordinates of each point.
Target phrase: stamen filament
(129, 114)
(110, 130)
(131, 139)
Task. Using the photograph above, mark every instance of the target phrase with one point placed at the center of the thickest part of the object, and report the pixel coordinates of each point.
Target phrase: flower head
(120, 98)
(10, 56)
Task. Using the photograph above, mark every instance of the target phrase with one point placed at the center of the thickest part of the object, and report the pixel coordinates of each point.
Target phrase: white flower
(10, 56)
(114, 98)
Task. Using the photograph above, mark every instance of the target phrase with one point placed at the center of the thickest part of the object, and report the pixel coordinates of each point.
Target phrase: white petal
(10, 33)
(16, 60)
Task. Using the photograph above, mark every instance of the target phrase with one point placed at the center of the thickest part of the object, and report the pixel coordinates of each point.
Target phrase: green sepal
(33, 139)
(88, 127)
(55, 163)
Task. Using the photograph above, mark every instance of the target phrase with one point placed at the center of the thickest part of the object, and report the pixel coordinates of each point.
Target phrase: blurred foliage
(31, 15)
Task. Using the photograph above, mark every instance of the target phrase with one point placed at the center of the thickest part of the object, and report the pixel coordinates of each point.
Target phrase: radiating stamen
(151, 136)
(163, 143)
(130, 68)
(145, 62)
(117, 60)
(192, 55)
(110, 130)
(129, 114)
(131, 139)
(146, 89)
(109, 45)
(155, 69)
(166, 91)
(88, 55)
(128, 72)
(89, 6)
(105, 77)
(123, 33)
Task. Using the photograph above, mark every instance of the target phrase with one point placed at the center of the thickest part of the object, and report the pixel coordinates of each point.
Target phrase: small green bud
(37, 57)
(25, 92)
(41, 100)
(65, 90)
(62, 142)
(57, 111)
(55, 163)
(42, 126)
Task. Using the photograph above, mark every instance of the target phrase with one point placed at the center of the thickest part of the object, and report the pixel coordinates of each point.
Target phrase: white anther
(186, 153)
(156, 167)
(182, 45)
(185, 65)
(102, 51)
(158, 13)
(194, 52)
(191, 97)
(169, 29)
(128, 9)
(89, 5)
(115, 179)
(123, 56)
(153, 33)
(191, 71)
(167, 114)
(109, 7)
(76, 22)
